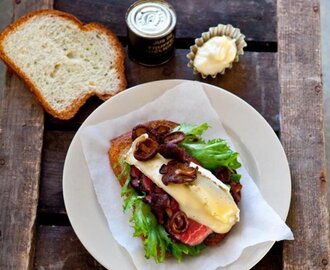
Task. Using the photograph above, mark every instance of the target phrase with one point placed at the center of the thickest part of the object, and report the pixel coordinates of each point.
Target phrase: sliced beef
(135, 172)
(194, 235)
(159, 202)
(147, 185)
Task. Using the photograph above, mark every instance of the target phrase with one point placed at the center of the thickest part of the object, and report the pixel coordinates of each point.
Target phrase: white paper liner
(188, 103)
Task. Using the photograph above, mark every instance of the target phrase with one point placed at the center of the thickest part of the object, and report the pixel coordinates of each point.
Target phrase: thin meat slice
(147, 185)
(195, 234)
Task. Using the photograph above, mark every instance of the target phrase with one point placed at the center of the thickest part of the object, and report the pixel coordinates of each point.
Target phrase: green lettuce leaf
(156, 240)
(192, 129)
(211, 154)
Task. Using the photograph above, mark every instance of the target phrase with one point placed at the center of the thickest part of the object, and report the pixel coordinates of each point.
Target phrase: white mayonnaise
(215, 55)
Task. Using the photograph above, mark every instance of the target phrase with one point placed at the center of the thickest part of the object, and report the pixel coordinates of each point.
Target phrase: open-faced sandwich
(183, 191)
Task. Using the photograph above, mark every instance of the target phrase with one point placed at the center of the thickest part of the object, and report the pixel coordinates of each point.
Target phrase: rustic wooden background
(35, 232)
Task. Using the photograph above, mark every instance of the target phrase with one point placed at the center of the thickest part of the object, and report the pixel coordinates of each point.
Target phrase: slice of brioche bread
(62, 60)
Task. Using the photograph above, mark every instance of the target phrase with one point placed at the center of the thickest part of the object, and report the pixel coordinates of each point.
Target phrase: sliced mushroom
(160, 132)
(142, 129)
(235, 190)
(163, 169)
(146, 149)
(178, 172)
(174, 137)
(178, 223)
(138, 131)
(172, 151)
(223, 174)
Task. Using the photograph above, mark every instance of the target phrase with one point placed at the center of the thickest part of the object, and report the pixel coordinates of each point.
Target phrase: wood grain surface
(59, 248)
(302, 134)
(56, 144)
(256, 19)
(21, 132)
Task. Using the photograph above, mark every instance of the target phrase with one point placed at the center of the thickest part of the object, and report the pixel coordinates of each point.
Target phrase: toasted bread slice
(121, 144)
(62, 60)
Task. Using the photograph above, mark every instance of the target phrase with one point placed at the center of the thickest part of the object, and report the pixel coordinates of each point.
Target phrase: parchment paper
(185, 103)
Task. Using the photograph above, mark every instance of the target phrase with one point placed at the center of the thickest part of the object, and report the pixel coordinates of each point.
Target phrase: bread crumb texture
(64, 61)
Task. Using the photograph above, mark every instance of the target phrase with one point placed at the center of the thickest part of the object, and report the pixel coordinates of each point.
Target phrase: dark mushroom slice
(138, 131)
(235, 190)
(142, 129)
(178, 172)
(160, 131)
(163, 169)
(178, 223)
(223, 174)
(172, 151)
(174, 137)
(146, 149)
(173, 208)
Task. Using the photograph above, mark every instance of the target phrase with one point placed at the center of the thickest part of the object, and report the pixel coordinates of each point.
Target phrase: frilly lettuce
(156, 240)
(211, 154)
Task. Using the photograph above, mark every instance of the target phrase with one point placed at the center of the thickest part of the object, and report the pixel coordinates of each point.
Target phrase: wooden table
(279, 75)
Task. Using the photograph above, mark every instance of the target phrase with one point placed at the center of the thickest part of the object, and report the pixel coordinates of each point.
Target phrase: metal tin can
(151, 32)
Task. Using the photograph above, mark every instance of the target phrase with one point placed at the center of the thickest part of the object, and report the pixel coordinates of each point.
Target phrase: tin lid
(151, 19)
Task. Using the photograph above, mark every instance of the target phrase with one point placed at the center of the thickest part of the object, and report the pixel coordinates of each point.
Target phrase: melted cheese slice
(206, 200)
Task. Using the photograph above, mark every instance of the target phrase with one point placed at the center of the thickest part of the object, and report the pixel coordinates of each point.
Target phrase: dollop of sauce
(215, 55)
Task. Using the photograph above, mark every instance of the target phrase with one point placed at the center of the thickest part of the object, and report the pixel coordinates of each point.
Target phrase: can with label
(150, 32)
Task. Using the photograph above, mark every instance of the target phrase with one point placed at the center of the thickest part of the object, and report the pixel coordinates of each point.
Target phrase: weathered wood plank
(302, 133)
(56, 144)
(6, 8)
(254, 79)
(256, 19)
(21, 129)
(59, 248)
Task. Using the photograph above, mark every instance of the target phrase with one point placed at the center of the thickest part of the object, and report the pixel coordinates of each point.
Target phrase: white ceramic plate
(254, 139)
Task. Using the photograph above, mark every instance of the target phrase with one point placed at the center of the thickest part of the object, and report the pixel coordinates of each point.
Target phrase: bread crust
(121, 144)
(70, 111)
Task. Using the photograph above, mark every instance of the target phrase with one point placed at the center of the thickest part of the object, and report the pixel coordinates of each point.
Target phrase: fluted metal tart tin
(219, 30)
